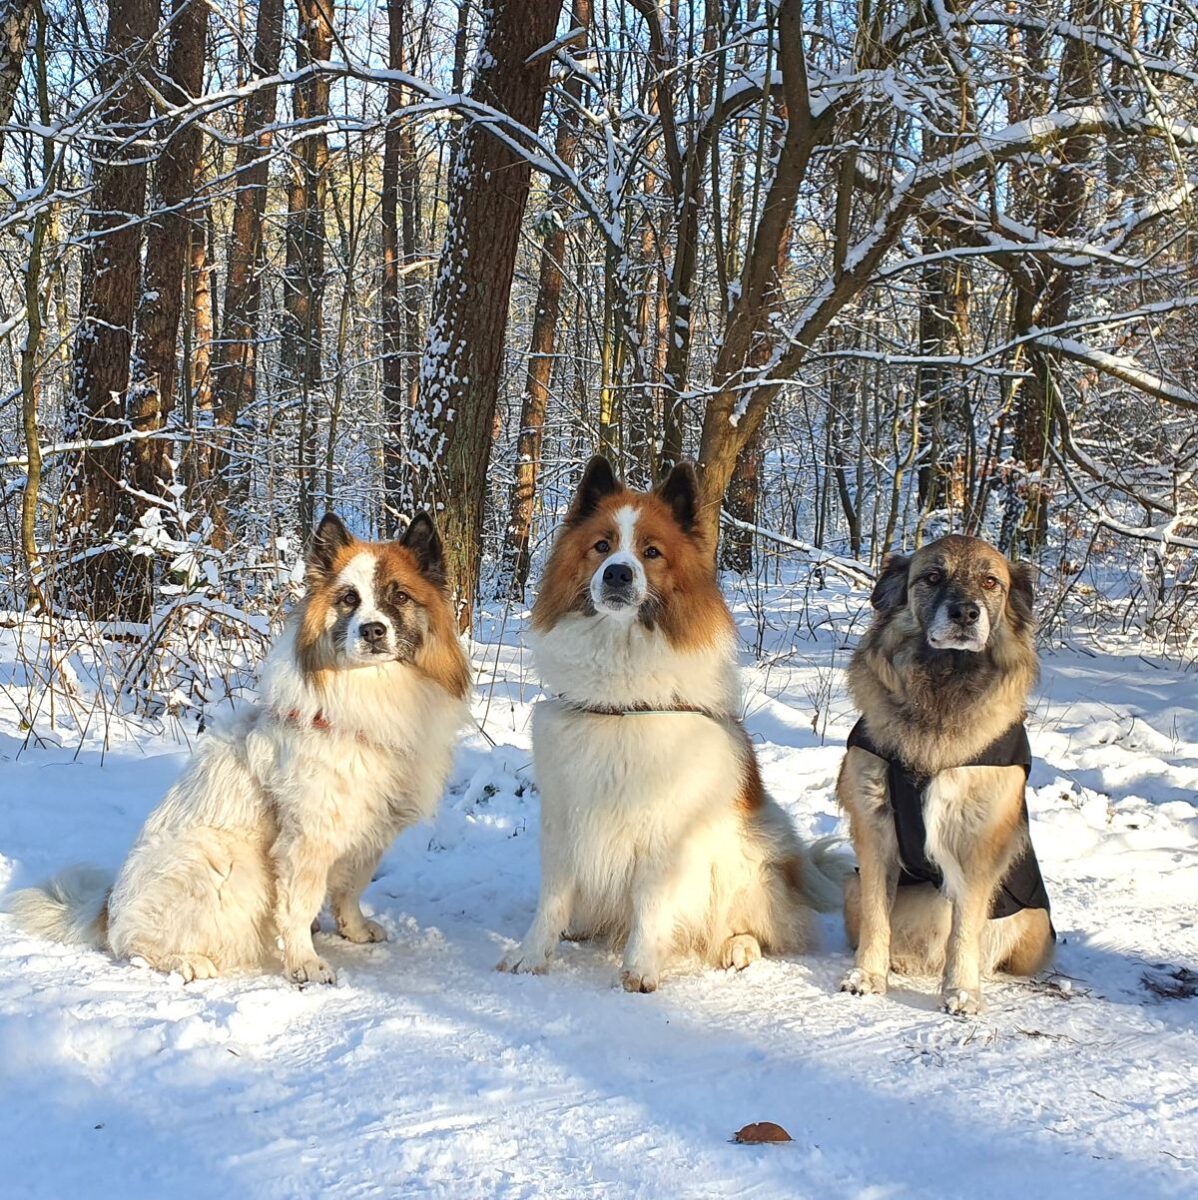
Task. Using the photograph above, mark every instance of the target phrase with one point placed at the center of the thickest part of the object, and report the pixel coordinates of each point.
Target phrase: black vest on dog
(1023, 886)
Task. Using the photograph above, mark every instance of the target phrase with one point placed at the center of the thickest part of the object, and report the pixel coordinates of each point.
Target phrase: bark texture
(463, 360)
(234, 369)
(111, 273)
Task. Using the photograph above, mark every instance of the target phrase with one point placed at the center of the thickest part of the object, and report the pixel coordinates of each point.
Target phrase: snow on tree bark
(460, 373)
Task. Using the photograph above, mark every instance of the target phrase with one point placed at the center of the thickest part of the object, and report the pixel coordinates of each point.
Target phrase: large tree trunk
(152, 394)
(303, 279)
(110, 272)
(464, 354)
(542, 346)
(15, 19)
(234, 371)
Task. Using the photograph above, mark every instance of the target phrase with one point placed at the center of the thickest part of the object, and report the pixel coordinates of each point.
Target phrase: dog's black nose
(373, 632)
(964, 612)
(617, 575)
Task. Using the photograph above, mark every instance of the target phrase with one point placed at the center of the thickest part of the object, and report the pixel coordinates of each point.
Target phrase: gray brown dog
(933, 781)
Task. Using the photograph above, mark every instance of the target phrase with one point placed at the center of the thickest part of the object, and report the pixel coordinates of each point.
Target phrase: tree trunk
(1044, 297)
(15, 19)
(152, 394)
(234, 371)
(401, 288)
(110, 272)
(451, 430)
(198, 395)
(303, 279)
(392, 308)
(736, 546)
(542, 345)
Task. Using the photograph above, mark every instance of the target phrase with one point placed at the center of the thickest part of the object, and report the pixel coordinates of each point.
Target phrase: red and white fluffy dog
(655, 829)
(295, 798)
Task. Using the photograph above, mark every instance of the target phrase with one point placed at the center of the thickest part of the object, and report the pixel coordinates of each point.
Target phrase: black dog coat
(1023, 886)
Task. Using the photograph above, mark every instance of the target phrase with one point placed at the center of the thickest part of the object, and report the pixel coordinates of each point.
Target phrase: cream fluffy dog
(295, 798)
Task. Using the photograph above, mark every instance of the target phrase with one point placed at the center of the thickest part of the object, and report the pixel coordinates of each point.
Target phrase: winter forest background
(883, 268)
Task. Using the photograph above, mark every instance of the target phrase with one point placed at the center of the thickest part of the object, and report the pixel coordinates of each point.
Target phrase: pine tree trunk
(234, 370)
(451, 429)
(110, 273)
(152, 393)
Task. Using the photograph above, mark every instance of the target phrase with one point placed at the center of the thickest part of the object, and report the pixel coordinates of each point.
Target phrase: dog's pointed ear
(1021, 598)
(423, 542)
(890, 592)
(330, 538)
(681, 492)
(598, 481)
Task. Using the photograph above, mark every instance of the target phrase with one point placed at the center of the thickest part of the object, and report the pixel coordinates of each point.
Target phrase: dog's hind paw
(859, 982)
(962, 1002)
(362, 932)
(311, 970)
(520, 961)
(740, 950)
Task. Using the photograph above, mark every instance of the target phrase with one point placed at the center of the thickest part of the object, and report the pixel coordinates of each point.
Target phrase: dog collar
(319, 721)
(640, 710)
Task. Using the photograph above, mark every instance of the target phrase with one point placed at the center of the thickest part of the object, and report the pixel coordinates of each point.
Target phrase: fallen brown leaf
(760, 1132)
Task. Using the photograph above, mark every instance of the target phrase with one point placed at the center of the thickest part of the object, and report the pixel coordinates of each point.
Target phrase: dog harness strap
(1023, 886)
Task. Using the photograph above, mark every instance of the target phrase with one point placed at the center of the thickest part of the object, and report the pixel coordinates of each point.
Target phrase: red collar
(319, 721)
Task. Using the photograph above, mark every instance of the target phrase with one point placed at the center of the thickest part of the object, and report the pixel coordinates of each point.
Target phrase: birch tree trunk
(15, 19)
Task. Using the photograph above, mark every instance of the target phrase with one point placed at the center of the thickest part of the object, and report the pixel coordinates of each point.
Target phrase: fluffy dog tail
(71, 908)
(825, 867)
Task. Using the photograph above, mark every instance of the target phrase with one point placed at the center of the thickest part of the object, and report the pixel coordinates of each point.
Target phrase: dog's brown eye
(602, 546)
(652, 552)
(350, 598)
(933, 577)
(990, 582)
(400, 597)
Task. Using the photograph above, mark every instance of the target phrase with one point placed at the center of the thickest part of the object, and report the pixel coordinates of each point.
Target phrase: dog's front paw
(190, 967)
(739, 951)
(962, 1002)
(642, 980)
(362, 931)
(859, 982)
(522, 961)
(310, 970)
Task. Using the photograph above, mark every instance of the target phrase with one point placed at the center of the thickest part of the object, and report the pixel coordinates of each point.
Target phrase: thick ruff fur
(295, 798)
(655, 829)
(944, 669)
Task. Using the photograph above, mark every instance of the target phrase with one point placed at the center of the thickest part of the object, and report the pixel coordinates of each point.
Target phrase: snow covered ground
(424, 1072)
